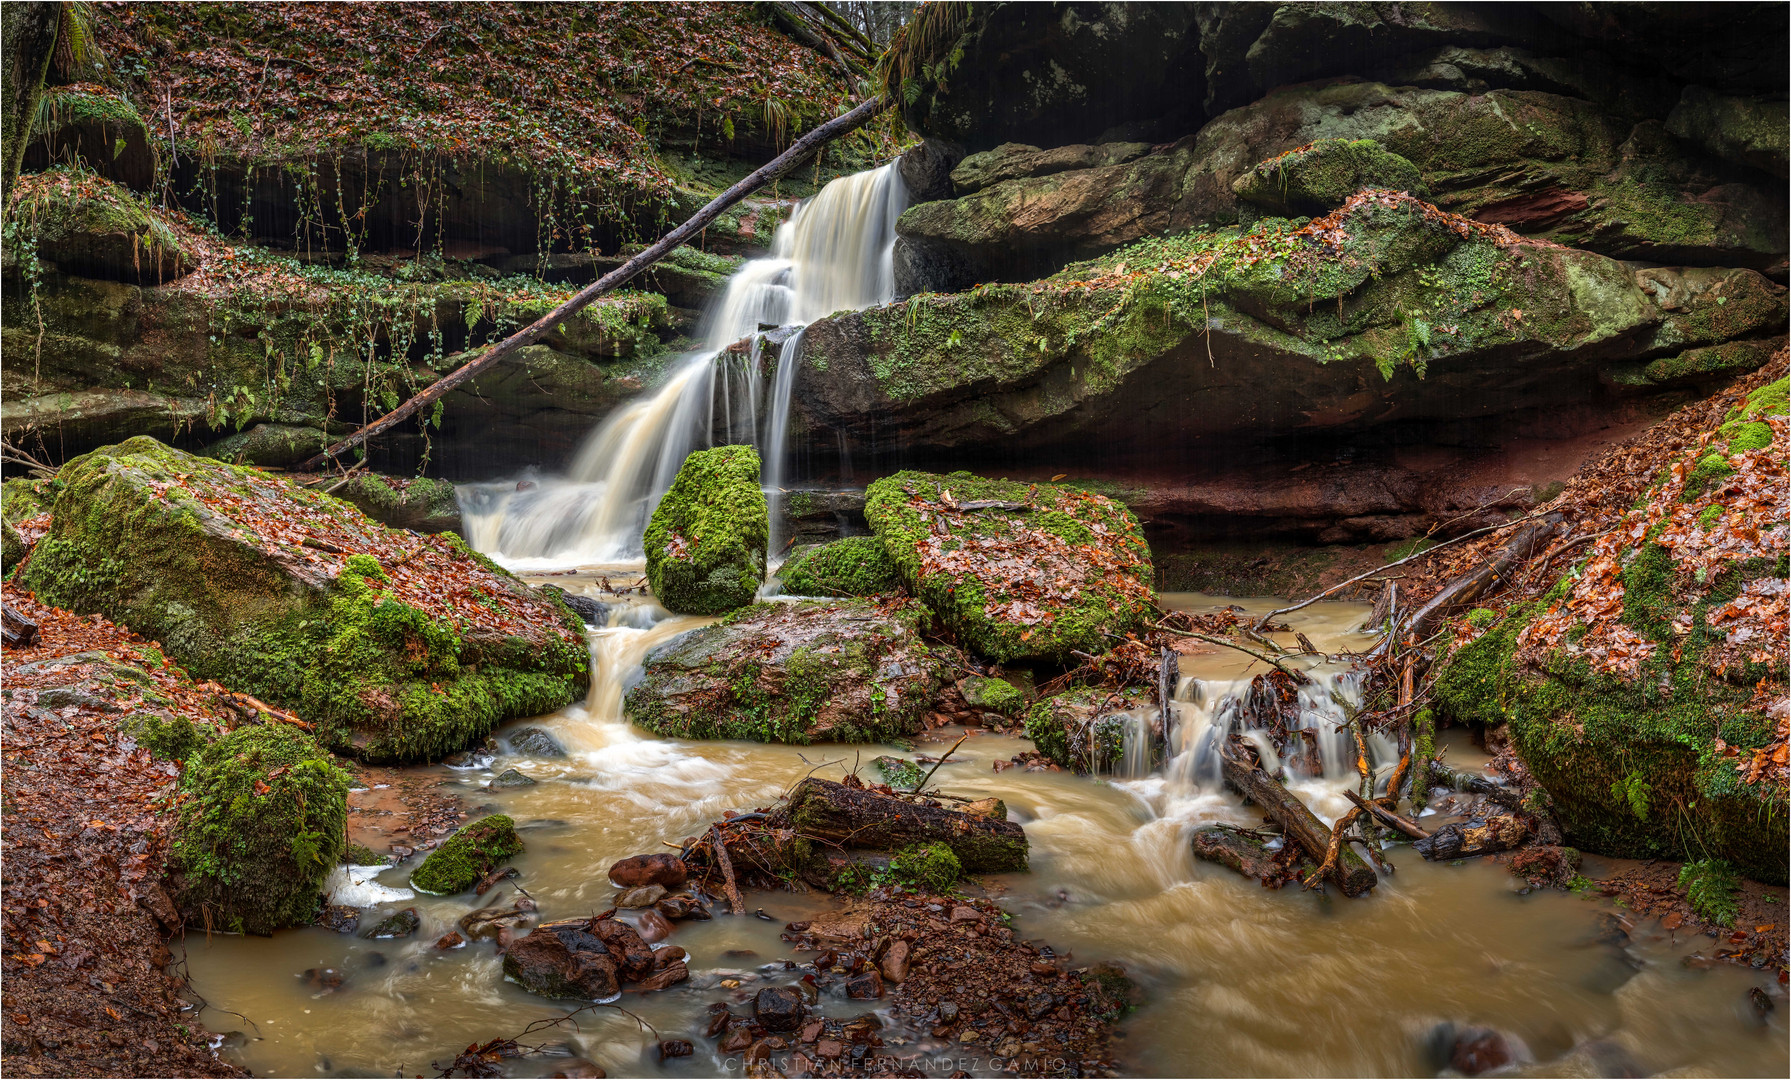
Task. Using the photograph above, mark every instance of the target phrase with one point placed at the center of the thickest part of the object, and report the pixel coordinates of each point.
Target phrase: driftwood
(1387, 817)
(1443, 775)
(861, 818)
(1352, 875)
(1476, 583)
(16, 630)
(1296, 676)
(727, 871)
(765, 174)
(1478, 837)
(1239, 850)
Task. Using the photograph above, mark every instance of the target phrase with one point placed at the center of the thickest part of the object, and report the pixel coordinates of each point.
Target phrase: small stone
(396, 925)
(962, 914)
(829, 1049)
(1039, 1004)
(989, 808)
(663, 870)
(670, 955)
(738, 1038)
(510, 778)
(671, 1048)
(1479, 1050)
(642, 896)
(778, 1008)
(324, 980)
(894, 964)
(578, 1069)
(758, 1051)
(948, 1012)
(450, 940)
(339, 917)
(867, 986)
(668, 976)
(653, 926)
(535, 742)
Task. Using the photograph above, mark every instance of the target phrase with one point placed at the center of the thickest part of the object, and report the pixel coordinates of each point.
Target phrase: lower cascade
(833, 254)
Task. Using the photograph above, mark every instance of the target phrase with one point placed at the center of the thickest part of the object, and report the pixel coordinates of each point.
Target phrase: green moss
(1084, 729)
(23, 498)
(362, 855)
(995, 695)
(854, 566)
(475, 851)
(899, 773)
(933, 867)
(1318, 177)
(706, 543)
(258, 828)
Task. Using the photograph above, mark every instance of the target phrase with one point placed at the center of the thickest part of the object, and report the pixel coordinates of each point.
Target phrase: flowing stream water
(1238, 979)
(834, 254)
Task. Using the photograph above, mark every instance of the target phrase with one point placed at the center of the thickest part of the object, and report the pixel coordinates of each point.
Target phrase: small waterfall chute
(835, 253)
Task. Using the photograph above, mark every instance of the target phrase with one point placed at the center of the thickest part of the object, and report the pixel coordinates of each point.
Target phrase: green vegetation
(706, 543)
(854, 566)
(1084, 728)
(475, 851)
(258, 828)
(1319, 177)
(995, 695)
(931, 867)
(1710, 887)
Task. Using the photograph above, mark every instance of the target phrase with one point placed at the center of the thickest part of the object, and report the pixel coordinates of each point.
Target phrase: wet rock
(593, 612)
(1084, 728)
(399, 924)
(807, 671)
(667, 976)
(324, 980)
(579, 1069)
(339, 917)
(450, 940)
(1470, 1051)
(466, 857)
(653, 927)
(778, 1008)
(1744, 130)
(898, 773)
(536, 742)
(573, 959)
(682, 906)
(487, 922)
(468, 759)
(866, 986)
(670, 955)
(97, 127)
(643, 896)
(668, 871)
(671, 1048)
(737, 1038)
(706, 542)
(894, 964)
(511, 778)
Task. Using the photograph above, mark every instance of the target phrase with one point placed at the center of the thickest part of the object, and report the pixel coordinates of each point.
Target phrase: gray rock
(511, 778)
(400, 924)
(535, 742)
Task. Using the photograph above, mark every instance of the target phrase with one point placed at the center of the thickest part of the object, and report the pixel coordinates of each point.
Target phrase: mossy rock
(269, 444)
(898, 773)
(411, 502)
(97, 127)
(475, 851)
(207, 558)
(799, 672)
(91, 226)
(97, 681)
(257, 831)
(23, 498)
(706, 543)
(995, 695)
(1084, 728)
(1017, 571)
(854, 566)
(1316, 179)
(933, 867)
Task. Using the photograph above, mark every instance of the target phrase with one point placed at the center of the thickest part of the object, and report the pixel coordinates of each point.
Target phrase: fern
(1635, 791)
(1710, 886)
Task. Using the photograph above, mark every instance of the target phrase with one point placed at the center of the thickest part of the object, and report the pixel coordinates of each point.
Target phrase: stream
(1236, 979)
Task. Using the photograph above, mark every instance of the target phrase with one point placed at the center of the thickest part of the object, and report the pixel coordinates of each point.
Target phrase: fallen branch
(1495, 834)
(1469, 587)
(1301, 825)
(727, 872)
(1296, 676)
(765, 174)
(954, 746)
(255, 704)
(1388, 817)
(17, 631)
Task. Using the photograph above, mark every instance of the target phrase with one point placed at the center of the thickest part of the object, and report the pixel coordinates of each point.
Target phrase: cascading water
(835, 253)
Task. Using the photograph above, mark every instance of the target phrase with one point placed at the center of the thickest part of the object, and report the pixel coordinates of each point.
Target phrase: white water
(835, 253)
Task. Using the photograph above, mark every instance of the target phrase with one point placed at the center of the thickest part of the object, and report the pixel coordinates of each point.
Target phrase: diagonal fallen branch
(1296, 676)
(777, 167)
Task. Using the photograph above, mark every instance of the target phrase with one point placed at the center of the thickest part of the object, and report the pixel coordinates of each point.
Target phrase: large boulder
(1017, 571)
(802, 672)
(1645, 692)
(1747, 131)
(97, 127)
(89, 225)
(1321, 176)
(578, 958)
(258, 831)
(1048, 74)
(706, 542)
(417, 503)
(395, 647)
(1386, 311)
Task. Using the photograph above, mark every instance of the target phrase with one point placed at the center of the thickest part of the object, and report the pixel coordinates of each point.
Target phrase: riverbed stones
(668, 871)
(536, 742)
(706, 542)
(511, 778)
(463, 859)
(641, 896)
(1017, 571)
(299, 599)
(778, 1008)
(800, 672)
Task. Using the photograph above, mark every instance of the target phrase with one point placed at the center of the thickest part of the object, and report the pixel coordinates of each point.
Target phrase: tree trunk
(778, 166)
(861, 818)
(27, 38)
(1495, 834)
(1353, 875)
(1240, 851)
(1388, 817)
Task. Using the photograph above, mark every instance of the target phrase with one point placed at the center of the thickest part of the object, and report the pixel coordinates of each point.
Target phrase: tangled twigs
(1333, 851)
(481, 1059)
(1296, 676)
(11, 454)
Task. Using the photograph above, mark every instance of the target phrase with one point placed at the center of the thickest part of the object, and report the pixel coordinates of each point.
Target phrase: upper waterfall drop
(835, 253)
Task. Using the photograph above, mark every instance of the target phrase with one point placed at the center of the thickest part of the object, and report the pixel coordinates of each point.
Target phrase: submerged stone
(706, 543)
(808, 671)
(1017, 571)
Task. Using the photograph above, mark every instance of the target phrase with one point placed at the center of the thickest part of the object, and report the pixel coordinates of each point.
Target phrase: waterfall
(834, 254)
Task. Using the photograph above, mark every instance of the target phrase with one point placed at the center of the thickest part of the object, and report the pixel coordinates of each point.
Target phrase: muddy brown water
(1237, 980)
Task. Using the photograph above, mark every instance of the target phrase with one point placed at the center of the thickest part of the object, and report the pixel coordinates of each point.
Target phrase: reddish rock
(778, 1008)
(653, 927)
(829, 1049)
(670, 955)
(1479, 1050)
(894, 964)
(738, 1038)
(634, 958)
(866, 986)
(450, 940)
(667, 871)
(564, 959)
(812, 1030)
(668, 976)
(671, 1048)
(963, 914)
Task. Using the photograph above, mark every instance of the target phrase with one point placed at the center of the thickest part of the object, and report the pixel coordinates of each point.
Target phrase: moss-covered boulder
(854, 566)
(1318, 177)
(258, 827)
(1640, 691)
(89, 225)
(96, 126)
(1084, 728)
(397, 647)
(1745, 130)
(1017, 571)
(992, 695)
(418, 503)
(1011, 161)
(269, 444)
(706, 542)
(801, 672)
(475, 851)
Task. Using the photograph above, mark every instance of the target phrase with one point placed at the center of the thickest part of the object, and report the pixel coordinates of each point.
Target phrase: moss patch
(854, 566)
(1318, 177)
(706, 543)
(476, 850)
(259, 825)
(1082, 729)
